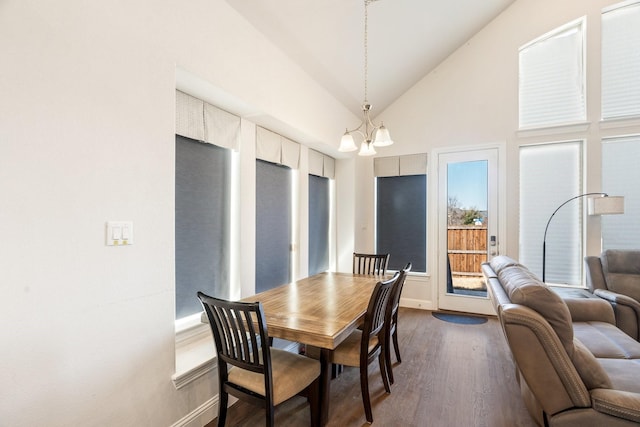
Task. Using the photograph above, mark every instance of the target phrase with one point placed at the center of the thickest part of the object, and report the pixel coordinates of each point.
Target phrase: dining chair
(364, 346)
(391, 321)
(370, 263)
(258, 373)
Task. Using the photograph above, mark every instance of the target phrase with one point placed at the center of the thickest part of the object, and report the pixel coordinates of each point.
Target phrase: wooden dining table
(321, 311)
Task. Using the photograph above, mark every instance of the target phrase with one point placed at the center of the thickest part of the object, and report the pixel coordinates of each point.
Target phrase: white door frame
(437, 262)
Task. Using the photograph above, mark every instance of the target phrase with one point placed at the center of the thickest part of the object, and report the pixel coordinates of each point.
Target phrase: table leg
(325, 383)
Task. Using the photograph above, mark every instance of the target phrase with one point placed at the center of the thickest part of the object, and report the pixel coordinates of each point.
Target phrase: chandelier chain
(366, 47)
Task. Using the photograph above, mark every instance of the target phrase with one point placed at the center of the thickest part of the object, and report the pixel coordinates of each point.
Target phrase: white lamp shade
(347, 143)
(383, 139)
(606, 205)
(366, 149)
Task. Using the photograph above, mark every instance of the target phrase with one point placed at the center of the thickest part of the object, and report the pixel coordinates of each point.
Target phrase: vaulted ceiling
(406, 40)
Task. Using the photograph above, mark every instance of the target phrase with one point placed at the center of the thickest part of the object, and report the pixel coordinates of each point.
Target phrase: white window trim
(195, 350)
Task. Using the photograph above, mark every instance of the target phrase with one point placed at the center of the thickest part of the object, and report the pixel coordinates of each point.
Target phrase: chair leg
(222, 408)
(364, 387)
(270, 416)
(387, 358)
(396, 347)
(383, 371)
(313, 396)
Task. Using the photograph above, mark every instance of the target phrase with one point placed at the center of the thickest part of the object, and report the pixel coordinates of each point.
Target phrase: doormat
(459, 318)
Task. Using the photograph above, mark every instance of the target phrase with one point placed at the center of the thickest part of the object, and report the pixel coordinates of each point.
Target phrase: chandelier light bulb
(383, 139)
(347, 143)
(366, 149)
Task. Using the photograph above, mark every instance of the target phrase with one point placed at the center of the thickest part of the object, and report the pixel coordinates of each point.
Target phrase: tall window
(552, 78)
(319, 204)
(621, 61)
(277, 158)
(401, 210)
(620, 177)
(205, 139)
(202, 223)
(550, 174)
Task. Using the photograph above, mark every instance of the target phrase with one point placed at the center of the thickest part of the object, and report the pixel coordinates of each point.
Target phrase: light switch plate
(119, 233)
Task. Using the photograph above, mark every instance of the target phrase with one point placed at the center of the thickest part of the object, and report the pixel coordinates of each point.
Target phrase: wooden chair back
(375, 316)
(374, 264)
(237, 340)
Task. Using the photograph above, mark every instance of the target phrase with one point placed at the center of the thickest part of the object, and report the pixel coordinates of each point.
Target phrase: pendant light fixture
(372, 134)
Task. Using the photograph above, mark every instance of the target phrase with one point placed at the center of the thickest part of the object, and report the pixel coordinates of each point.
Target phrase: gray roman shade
(196, 119)
(412, 164)
(277, 149)
(321, 165)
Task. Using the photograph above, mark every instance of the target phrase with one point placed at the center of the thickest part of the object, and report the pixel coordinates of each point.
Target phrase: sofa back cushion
(621, 270)
(524, 288)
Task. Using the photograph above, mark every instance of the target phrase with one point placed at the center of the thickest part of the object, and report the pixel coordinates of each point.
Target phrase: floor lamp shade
(607, 205)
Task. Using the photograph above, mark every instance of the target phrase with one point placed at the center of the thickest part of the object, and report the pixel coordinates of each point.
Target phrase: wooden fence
(467, 249)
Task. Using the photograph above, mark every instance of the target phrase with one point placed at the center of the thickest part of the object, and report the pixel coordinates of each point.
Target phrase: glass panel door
(467, 233)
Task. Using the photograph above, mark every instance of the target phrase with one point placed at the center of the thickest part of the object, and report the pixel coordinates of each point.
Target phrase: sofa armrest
(627, 311)
(594, 274)
(622, 404)
(590, 309)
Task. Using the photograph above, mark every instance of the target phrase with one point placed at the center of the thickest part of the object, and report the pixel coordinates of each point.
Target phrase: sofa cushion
(588, 367)
(524, 288)
(621, 270)
(623, 373)
(606, 341)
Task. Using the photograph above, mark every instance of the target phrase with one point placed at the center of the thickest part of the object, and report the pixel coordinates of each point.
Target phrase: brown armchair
(615, 277)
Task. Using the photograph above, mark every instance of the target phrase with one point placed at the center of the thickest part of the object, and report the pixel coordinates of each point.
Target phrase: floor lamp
(603, 205)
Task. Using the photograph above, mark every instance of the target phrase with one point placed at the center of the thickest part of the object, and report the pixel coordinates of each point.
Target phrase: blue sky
(468, 182)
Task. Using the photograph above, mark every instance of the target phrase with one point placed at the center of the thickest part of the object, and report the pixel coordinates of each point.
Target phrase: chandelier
(372, 135)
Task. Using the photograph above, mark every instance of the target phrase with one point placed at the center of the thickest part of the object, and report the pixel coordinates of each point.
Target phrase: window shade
(198, 120)
(202, 222)
(273, 225)
(318, 224)
(621, 62)
(550, 174)
(551, 78)
(321, 165)
(620, 177)
(189, 116)
(413, 164)
(277, 149)
(401, 220)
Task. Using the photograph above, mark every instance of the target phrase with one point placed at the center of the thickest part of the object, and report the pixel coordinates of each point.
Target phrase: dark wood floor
(450, 375)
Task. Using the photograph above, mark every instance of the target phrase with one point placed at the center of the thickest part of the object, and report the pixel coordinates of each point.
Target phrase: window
(550, 174)
(321, 172)
(278, 158)
(401, 210)
(202, 223)
(621, 61)
(552, 78)
(319, 204)
(273, 225)
(620, 177)
(205, 139)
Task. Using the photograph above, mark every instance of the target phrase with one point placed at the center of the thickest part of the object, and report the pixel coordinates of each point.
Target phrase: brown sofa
(615, 276)
(574, 366)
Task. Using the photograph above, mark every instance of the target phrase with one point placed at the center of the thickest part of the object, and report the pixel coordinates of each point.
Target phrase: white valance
(321, 164)
(274, 148)
(412, 164)
(189, 116)
(204, 122)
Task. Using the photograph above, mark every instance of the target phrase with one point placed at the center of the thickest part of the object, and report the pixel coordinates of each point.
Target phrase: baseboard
(200, 416)
(416, 303)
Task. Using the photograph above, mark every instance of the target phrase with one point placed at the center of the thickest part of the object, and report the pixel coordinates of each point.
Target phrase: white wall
(87, 135)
